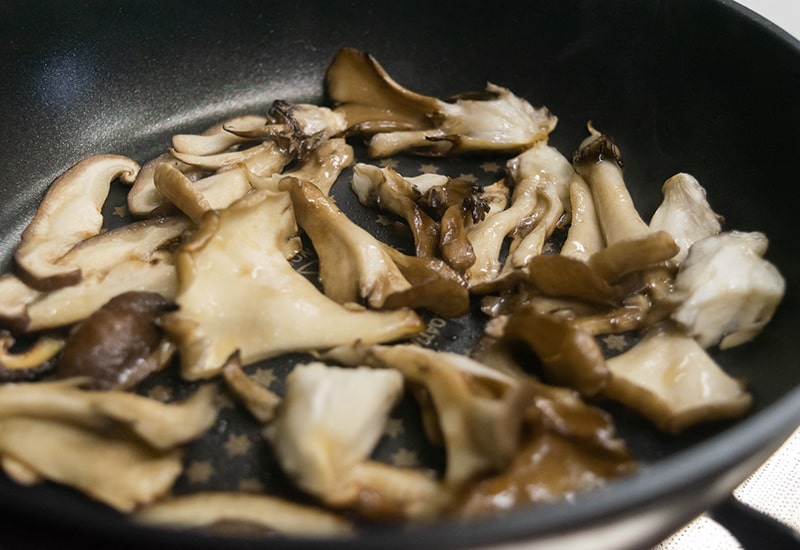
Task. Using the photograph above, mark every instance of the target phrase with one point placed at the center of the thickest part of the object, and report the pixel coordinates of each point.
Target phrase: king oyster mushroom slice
(353, 265)
(685, 214)
(386, 189)
(132, 257)
(116, 469)
(36, 359)
(162, 426)
(120, 344)
(725, 291)
(670, 379)
(321, 167)
(69, 213)
(479, 409)
(242, 513)
(237, 291)
(401, 120)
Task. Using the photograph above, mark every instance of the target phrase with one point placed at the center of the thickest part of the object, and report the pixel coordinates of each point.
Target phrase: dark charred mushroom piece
(120, 344)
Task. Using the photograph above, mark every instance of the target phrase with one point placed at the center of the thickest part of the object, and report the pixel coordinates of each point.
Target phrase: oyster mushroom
(401, 120)
(479, 409)
(241, 513)
(120, 344)
(584, 236)
(257, 399)
(144, 200)
(38, 358)
(353, 265)
(685, 214)
(219, 138)
(670, 379)
(237, 291)
(725, 291)
(69, 213)
(132, 257)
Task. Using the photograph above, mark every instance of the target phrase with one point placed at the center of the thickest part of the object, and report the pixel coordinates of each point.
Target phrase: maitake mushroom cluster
(203, 280)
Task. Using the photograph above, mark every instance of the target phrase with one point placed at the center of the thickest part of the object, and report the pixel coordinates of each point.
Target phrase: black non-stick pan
(704, 87)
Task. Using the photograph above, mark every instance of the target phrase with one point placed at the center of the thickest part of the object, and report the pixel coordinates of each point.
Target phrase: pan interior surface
(700, 87)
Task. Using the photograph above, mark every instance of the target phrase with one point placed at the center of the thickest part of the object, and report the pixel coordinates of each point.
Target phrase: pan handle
(752, 528)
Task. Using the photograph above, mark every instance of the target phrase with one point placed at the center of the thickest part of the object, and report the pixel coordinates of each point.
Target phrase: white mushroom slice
(552, 174)
(262, 159)
(321, 167)
(248, 511)
(238, 292)
(584, 236)
(144, 199)
(330, 420)
(479, 409)
(118, 470)
(70, 212)
(671, 380)
(218, 139)
(726, 291)
(194, 198)
(685, 214)
(161, 426)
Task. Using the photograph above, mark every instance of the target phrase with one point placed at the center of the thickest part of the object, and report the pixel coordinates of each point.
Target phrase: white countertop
(775, 488)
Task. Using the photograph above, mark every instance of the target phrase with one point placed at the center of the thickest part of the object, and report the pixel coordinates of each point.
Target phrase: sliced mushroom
(144, 200)
(672, 381)
(38, 358)
(242, 513)
(237, 291)
(479, 409)
(69, 213)
(584, 236)
(262, 159)
(219, 138)
(353, 265)
(120, 344)
(384, 188)
(257, 399)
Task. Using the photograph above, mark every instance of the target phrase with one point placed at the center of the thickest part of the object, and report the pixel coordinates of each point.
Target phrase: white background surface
(775, 488)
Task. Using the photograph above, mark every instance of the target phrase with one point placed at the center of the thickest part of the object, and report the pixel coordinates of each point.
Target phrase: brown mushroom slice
(584, 236)
(114, 468)
(218, 138)
(206, 509)
(670, 379)
(144, 200)
(321, 167)
(566, 277)
(237, 291)
(37, 359)
(632, 255)
(384, 188)
(69, 213)
(479, 409)
(257, 399)
(160, 425)
(685, 214)
(330, 420)
(194, 198)
(569, 356)
(353, 265)
(120, 344)
(599, 161)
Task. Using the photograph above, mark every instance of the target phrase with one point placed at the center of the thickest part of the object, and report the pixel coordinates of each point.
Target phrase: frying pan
(704, 87)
